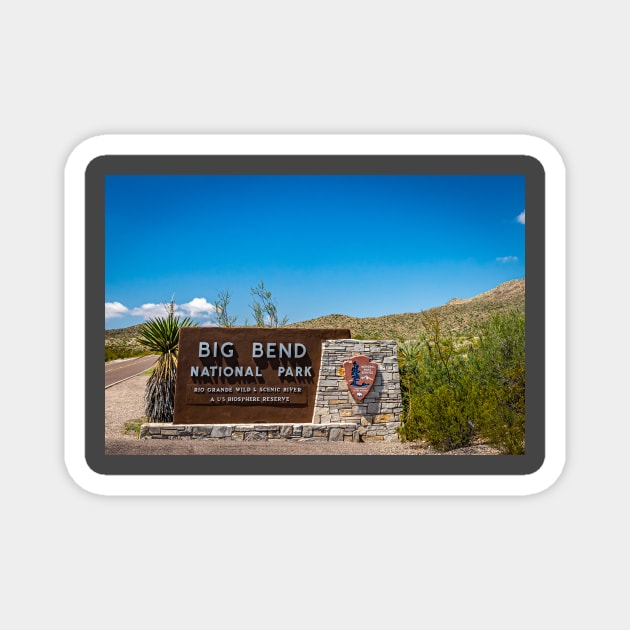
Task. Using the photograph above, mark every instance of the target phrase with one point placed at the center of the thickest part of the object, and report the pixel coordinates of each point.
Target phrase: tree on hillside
(265, 310)
(161, 335)
(221, 305)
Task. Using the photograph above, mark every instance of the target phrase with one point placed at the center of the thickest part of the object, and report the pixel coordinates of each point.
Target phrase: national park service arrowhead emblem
(360, 375)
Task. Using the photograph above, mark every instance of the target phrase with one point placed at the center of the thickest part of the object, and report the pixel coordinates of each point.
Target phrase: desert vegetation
(462, 365)
(459, 389)
(122, 343)
(460, 316)
(160, 335)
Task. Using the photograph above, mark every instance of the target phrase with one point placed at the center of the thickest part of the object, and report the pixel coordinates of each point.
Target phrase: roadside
(120, 370)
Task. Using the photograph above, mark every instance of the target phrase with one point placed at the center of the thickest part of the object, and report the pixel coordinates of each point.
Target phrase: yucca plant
(161, 335)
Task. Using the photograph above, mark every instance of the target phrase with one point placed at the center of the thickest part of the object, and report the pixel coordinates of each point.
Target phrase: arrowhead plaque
(360, 375)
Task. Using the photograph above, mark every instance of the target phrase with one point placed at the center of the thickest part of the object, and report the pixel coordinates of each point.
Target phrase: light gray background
(72, 70)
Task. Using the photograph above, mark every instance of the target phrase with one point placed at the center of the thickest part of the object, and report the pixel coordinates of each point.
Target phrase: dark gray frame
(326, 464)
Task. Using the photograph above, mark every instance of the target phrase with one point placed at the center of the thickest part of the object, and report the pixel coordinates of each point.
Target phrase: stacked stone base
(337, 432)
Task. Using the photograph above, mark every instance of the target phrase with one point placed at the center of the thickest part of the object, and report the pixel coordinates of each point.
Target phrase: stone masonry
(337, 415)
(379, 414)
(344, 431)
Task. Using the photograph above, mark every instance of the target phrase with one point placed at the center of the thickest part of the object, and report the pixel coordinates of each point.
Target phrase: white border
(315, 485)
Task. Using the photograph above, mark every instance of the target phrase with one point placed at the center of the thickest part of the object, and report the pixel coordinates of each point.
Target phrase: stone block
(383, 417)
(335, 434)
(327, 382)
(221, 431)
(255, 436)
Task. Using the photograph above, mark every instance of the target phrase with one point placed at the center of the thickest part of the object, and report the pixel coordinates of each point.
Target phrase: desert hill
(459, 316)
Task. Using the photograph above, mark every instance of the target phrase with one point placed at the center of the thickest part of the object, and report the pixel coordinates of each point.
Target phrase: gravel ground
(124, 402)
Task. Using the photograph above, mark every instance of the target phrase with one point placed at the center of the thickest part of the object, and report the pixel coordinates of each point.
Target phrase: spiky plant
(161, 335)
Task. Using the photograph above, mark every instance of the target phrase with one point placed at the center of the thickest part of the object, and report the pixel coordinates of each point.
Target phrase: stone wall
(344, 431)
(381, 409)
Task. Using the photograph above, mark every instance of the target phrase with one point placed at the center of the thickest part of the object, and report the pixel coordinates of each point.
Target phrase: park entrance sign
(249, 375)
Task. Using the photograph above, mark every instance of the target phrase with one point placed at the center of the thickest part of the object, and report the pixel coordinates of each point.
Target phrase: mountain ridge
(460, 316)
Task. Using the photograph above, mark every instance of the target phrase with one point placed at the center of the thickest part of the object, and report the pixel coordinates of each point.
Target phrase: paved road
(117, 371)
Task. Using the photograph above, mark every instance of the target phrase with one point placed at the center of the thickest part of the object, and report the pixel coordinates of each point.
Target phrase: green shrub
(134, 426)
(499, 367)
(438, 394)
(122, 352)
(454, 392)
(442, 417)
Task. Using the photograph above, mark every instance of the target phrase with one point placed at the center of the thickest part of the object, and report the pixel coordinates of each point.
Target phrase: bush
(499, 367)
(453, 393)
(442, 417)
(438, 394)
(122, 352)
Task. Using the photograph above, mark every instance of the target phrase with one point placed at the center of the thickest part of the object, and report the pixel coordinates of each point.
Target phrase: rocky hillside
(124, 338)
(459, 315)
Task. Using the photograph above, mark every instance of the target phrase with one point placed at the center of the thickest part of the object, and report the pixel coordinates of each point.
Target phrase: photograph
(289, 313)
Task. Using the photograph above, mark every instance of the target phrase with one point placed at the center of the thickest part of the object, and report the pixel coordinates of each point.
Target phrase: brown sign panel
(248, 375)
(360, 374)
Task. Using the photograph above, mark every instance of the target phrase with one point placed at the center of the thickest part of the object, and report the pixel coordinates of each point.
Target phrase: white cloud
(521, 218)
(115, 309)
(198, 307)
(149, 311)
(507, 259)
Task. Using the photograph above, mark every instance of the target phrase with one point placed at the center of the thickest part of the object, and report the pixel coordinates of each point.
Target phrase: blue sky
(361, 245)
